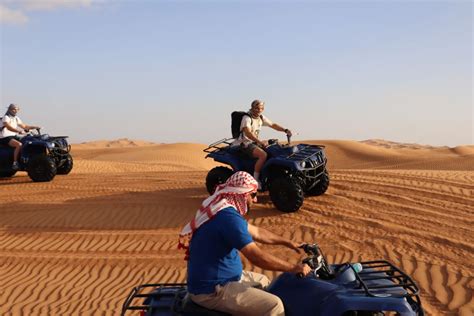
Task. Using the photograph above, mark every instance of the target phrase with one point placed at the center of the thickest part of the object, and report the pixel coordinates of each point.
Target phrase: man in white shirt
(11, 127)
(248, 139)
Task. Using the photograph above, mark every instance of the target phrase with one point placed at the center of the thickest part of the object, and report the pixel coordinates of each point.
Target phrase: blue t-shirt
(213, 252)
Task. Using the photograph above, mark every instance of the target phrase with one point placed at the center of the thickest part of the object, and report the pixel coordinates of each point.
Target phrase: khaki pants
(245, 297)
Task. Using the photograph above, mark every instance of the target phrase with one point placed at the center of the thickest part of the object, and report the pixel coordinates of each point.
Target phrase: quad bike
(42, 157)
(369, 288)
(289, 173)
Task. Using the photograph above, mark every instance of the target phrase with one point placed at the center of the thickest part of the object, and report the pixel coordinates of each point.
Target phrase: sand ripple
(77, 245)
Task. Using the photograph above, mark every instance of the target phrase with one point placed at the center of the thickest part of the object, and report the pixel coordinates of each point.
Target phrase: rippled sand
(78, 244)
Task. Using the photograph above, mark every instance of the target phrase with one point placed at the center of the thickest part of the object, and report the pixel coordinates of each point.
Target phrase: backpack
(237, 117)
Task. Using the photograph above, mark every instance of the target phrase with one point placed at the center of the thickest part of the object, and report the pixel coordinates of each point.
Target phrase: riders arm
(251, 135)
(279, 128)
(267, 237)
(28, 127)
(269, 262)
(10, 128)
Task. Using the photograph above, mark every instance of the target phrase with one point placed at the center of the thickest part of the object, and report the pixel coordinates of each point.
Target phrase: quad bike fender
(302, 295)
(33, 148)
(277, 163)
(225, 159)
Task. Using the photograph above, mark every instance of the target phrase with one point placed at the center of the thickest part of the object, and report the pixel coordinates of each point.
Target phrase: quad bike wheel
(286, 194)
(217, 176)
(66, 167)
(7, 174)
(41, 168)
(320, 187)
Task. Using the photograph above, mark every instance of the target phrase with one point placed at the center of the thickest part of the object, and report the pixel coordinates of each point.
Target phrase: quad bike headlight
(50, 145)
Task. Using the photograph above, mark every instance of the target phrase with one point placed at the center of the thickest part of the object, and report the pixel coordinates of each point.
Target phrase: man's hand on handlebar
(301, 269)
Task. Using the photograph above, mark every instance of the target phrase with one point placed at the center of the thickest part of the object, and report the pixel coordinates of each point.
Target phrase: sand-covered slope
(139, 156)
(379, 154)
(78, 244)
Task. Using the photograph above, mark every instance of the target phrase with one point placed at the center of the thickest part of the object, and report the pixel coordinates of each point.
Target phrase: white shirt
(254, 125)
(13, 121)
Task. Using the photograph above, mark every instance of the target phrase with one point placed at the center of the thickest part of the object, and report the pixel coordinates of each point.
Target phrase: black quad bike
(42, 157)
(290, 173)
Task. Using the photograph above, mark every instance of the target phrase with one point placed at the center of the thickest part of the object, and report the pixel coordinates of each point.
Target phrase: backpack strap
(251, 122)
(251, 118)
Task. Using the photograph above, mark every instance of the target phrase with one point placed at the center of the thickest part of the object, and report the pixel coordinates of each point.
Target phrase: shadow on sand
(169, 208)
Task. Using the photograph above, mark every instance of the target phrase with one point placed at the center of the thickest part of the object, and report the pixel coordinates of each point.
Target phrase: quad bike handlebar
(274, 141)
(28, 132)
(317, 262)
(38, 131)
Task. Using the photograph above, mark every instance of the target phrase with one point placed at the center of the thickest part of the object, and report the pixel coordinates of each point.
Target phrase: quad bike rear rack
(398, 283)
(165, 291)
(216, 147)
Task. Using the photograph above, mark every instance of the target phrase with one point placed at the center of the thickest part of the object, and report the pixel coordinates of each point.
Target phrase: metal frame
(156, 292)
(307, 152)
(214, 148)
(382, 269)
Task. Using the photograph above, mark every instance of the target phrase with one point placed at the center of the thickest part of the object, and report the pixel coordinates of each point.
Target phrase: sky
(173, 71)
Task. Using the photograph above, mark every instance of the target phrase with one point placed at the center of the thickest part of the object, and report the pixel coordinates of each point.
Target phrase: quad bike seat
(235, 150)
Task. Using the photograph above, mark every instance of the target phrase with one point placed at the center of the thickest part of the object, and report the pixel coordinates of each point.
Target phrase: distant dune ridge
(118, 143)
(78, 244)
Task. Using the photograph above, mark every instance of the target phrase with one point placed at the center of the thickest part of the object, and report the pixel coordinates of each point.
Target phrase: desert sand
(78, 244)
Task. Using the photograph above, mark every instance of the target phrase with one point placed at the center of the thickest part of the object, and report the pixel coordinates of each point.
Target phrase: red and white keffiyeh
(231, 193)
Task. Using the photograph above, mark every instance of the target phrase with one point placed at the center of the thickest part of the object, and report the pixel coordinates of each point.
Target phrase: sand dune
(144, 158)
(388, 155)
(77, 245)
(118, 143)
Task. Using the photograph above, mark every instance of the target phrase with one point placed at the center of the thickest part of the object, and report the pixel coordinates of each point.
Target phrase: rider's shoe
(15, 166)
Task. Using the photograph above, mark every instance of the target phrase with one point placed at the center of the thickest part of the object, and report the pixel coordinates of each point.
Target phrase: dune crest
(144, 158)
(397, 145)
(118, 143)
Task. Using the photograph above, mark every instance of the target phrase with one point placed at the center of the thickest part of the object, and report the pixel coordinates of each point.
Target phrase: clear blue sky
(173, 71)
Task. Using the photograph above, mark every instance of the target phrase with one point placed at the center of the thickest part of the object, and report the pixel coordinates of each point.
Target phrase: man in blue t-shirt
(217, 234)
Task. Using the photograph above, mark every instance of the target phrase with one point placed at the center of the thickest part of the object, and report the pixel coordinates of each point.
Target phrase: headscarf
(232, 193)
